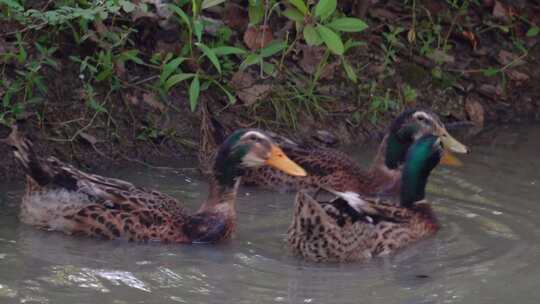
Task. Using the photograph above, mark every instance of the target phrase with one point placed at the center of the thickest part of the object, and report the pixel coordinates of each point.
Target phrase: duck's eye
(421, 118)
(254, 138)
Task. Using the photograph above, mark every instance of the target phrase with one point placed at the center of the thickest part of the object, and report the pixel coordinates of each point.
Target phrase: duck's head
(412, 125)
(423, 156)
(251, 148)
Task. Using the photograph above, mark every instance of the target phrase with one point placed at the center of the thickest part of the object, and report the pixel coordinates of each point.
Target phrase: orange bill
(280, 161)
(451, 143)
(450, 160)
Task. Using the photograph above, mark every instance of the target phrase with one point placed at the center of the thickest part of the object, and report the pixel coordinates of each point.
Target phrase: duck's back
(335, 232)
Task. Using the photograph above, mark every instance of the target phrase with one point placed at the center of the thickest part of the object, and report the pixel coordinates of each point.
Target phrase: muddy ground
(137, 129)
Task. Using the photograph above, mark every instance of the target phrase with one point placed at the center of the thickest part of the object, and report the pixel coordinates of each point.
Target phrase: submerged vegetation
(136, 73)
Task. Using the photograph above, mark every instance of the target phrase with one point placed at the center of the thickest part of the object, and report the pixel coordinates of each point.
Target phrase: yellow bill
(451, 143)
(449, 159)
(280, 161)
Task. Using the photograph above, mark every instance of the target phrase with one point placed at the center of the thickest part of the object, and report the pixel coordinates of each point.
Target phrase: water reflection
(486, 251)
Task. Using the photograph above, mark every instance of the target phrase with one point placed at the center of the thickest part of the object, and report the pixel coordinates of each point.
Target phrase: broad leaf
(228, 50)
(348, 25)
(533, 31)
(273, 48)
(325, 8)
(210, 54)
(251, 59)
(170, 67)
(331, 39)
(183, 16)
(176, 79)
(491, 72)
(311, 35)
(209, 3)
(293, 14)
(349, 70)
(300, 5)
(194, 91)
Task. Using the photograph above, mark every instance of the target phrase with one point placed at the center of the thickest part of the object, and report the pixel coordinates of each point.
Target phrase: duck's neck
(223, 188)
(413, 185)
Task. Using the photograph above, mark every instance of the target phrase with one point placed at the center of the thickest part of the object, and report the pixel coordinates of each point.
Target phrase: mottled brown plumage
(349, 228)
(62, 198)
(333, 169)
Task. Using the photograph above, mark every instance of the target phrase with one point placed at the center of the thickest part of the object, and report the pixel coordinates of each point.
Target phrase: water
(486, 251)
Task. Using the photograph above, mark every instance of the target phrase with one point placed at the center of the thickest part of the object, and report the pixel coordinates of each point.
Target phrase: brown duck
(352, 228)
(333, 169)
(62, 198)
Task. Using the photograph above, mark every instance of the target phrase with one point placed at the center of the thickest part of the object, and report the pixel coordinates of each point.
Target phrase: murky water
(487, 251)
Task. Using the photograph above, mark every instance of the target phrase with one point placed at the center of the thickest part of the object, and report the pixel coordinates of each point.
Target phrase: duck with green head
(352, 228)
(62, 198)
(335, 170)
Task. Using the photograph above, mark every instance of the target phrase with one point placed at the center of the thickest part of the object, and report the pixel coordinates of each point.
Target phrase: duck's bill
(449, 159)
(451, 143)
(280, 161)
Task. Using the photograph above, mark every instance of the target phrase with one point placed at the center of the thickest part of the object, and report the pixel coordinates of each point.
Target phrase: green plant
(319, 24)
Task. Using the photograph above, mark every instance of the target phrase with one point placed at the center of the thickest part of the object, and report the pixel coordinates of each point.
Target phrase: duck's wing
(50, 174)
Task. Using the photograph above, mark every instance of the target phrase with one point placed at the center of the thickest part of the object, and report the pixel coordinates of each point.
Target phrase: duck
(334, 169)
(329, 226)
(60, 197)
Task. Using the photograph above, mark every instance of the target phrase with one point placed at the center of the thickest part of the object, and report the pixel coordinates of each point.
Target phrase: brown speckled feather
(328, 168)
(334, 232)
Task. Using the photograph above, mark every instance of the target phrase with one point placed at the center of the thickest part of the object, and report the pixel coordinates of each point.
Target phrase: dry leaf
(440, 56)
(257, 37)
(311, 57)
(235, 16)
(247, 90)
(242, 80)
(382, 14)
(500, 11)
(254, 93)
(505, 57)
(471, 37)
(88, 138)
(475, 111)
(152, 100)
(517, 76)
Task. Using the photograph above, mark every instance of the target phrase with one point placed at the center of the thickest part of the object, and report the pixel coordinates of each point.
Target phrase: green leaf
(194, 90)
(325, 8)
(273, 48)
(533, 31)
(131, 55)
(210, 54)
(331, 39)
(348, 25)
(311, 35)
(300, 5)
(127, 6)
(293, 14)
(351, 43)
(198, 29)
(349, 70)
(183, 16)
(176, 79)
(13, 4)
(228, 50)
(256, 13)
(251, 59)
(490, 72)
(170, 67)
(210, 3)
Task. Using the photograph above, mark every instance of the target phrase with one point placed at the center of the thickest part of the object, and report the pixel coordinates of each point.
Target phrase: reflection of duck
(335, 170)
(351, 228)
(63, 198)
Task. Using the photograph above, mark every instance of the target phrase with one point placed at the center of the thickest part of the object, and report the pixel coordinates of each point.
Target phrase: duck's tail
(26, 156)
